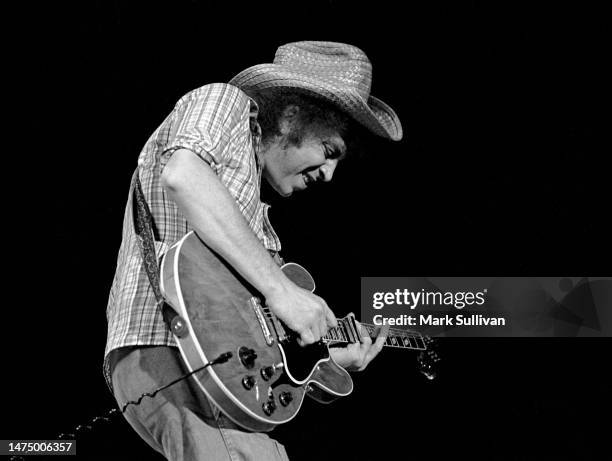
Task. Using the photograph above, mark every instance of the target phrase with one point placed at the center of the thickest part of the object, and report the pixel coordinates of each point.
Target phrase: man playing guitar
(201, 171)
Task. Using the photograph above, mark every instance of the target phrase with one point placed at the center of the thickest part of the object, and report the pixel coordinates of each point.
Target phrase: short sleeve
(204, 122)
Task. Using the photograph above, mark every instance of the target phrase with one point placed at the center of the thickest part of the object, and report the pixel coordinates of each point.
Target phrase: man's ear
(288, 118)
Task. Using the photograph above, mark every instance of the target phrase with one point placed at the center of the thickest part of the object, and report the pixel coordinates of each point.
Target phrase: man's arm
(213, 213)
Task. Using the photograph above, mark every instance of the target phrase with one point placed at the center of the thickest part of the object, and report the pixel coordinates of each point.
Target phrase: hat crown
(336, 72)
(337, 63)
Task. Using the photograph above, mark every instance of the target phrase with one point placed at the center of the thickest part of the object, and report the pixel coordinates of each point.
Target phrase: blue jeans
(180, 422)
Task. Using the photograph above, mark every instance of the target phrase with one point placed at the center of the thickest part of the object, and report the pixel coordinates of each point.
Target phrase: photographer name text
(432, 320)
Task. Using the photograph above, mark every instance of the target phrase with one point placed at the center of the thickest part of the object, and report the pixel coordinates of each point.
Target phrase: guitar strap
(145, 236)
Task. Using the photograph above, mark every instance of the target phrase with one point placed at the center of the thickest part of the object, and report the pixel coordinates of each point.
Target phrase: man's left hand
(356, 356)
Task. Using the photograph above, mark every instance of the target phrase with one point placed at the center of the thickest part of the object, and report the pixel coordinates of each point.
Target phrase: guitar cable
(106, 417)
(220, 359)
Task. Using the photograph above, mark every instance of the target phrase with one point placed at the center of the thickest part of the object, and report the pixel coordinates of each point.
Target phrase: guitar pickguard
(300, 361)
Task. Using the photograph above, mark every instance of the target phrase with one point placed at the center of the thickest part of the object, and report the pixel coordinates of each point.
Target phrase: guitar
(213, 310)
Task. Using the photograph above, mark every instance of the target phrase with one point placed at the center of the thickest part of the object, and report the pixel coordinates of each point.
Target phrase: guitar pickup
(256, 305)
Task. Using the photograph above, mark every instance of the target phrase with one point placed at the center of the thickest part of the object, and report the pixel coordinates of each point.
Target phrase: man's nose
(327, 170)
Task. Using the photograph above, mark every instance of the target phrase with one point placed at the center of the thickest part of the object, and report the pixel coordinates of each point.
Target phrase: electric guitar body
(214, 311)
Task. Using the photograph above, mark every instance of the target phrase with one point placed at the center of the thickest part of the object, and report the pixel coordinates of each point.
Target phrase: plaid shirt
(218, 123)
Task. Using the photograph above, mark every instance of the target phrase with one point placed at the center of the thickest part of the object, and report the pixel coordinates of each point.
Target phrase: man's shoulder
(217, 93)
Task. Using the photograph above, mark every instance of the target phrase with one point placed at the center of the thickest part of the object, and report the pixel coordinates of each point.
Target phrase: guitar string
(272, 317)
(396, 338)
(393, 334)
(399, 335)
(370, 328)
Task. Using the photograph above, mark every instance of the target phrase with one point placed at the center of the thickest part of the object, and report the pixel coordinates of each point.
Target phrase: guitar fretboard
(346, 332)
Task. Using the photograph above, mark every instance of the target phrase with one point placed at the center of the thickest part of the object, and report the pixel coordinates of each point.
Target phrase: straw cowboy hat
(340, 73)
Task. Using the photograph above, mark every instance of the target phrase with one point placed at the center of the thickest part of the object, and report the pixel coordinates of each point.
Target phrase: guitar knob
(285, 398)
(247, 357)
(267, 372)
(248, 382)
(269, 407)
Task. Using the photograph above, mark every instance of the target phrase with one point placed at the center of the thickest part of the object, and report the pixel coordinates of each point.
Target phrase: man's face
(290, 168)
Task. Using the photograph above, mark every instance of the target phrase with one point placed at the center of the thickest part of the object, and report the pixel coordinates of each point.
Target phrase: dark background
(500, 173)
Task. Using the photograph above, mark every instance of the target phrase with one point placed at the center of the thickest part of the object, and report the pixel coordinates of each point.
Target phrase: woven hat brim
(373, 114)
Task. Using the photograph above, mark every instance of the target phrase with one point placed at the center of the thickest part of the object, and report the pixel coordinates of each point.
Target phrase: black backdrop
(500, 173)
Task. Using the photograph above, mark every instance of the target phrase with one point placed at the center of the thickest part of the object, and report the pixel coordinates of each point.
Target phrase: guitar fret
(354, 329)
(335, 334)
(340, 331)
(349, 332)
(344, 331)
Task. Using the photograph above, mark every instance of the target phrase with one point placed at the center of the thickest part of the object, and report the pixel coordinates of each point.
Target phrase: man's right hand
(302, 311)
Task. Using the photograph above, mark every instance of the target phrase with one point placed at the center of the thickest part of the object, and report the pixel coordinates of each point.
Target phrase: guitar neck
(346, 332)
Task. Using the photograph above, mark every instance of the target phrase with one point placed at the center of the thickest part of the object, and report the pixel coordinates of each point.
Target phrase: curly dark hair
(316, 116)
